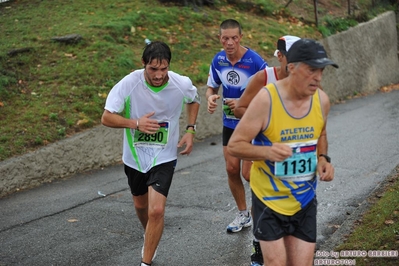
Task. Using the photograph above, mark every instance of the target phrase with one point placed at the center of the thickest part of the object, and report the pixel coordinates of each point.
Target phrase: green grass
(378, 229)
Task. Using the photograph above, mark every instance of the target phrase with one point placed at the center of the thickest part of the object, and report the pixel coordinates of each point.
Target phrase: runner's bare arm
(145, 123)
(188, 137)
(324, 169)
(253, 87)
(322, 144)
(254, 121)
(115, 120)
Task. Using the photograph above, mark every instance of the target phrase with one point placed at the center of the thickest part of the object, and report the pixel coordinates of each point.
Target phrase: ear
(290, 67)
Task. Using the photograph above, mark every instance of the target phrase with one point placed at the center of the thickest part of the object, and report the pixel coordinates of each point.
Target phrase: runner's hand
(278, 152)
(325, 170)
(231, 103)
(212, 103)
(188, 140)
(148, 125)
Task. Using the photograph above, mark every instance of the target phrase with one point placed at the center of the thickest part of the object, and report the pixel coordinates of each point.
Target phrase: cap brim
(321, 63)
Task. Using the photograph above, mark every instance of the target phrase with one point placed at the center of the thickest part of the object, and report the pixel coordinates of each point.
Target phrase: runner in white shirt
(138, 98)
(147, 103)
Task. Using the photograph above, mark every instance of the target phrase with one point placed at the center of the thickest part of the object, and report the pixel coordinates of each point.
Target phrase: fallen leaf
(82, 122)
(387, 222)
(389, 88)
(102, 95)
(116, 195)
(336, 226)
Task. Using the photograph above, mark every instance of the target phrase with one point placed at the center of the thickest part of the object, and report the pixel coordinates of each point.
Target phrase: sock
(245, 212)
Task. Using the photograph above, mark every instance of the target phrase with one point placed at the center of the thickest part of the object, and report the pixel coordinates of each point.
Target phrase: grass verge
(376, 234)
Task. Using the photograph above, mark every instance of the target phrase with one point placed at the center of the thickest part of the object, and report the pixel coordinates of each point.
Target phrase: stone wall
(367, 56)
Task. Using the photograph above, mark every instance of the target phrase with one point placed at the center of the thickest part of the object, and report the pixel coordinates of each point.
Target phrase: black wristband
(327, 157)
(193, 126)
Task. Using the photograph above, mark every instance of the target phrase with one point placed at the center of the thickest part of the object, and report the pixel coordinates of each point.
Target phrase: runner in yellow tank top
(283, 132)
(290, 184)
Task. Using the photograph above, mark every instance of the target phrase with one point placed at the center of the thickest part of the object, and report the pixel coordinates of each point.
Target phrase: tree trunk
(289, 2)
(349, 7)
(316, 13)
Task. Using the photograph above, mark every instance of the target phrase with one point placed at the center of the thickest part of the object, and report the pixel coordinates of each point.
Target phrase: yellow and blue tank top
(287, 187)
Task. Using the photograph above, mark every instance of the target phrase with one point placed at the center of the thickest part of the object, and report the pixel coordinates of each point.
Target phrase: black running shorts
(159, 177)
(270, 225)
(226, 134)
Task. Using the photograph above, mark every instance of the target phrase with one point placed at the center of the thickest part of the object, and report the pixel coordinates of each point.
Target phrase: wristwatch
(193, 126)
(327, 157)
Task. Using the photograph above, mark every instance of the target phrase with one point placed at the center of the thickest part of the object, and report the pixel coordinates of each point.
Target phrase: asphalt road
(88, 219)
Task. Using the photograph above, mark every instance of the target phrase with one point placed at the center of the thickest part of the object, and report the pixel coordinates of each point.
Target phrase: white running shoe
(239, 222)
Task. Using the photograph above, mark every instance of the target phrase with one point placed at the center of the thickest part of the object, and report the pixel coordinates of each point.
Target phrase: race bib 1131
(301, 166)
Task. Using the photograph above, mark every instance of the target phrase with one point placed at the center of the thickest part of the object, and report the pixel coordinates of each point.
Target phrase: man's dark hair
(157, 50)
(230, 24)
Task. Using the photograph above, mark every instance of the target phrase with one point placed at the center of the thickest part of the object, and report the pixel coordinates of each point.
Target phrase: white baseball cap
(284, 44)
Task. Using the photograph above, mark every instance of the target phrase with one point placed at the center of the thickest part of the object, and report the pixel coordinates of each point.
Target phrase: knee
(232, 170)
(156, 212)
(140, 203)
(140, 208)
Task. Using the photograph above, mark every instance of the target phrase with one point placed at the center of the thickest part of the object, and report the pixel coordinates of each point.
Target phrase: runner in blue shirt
(231, 69)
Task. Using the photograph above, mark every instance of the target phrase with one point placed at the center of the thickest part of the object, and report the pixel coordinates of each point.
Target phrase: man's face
(230, 39)
(156, 72)
(308, 77)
